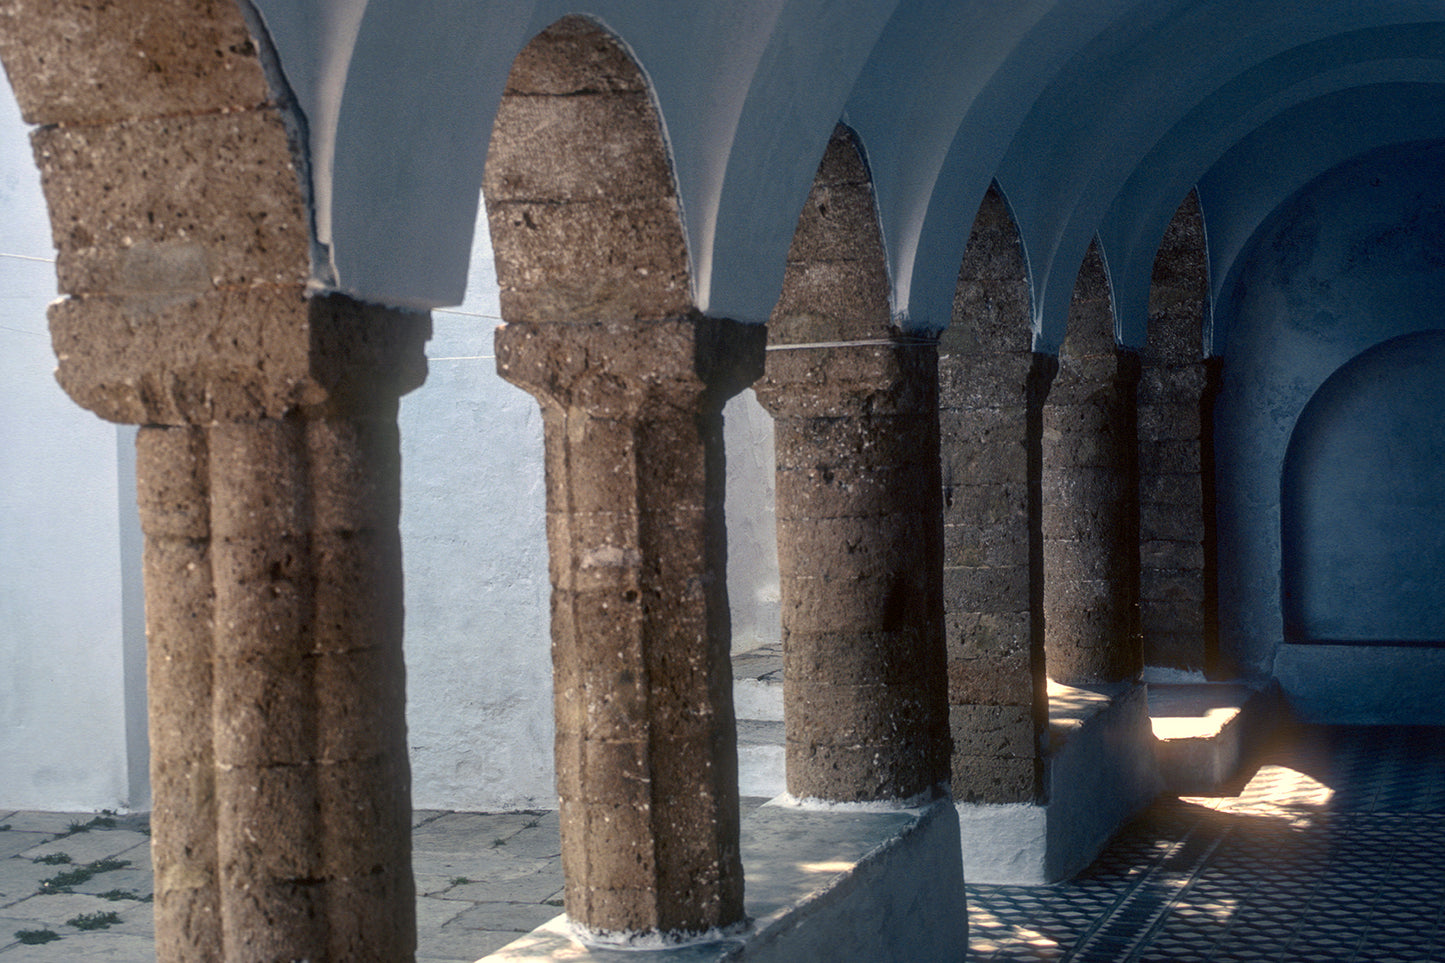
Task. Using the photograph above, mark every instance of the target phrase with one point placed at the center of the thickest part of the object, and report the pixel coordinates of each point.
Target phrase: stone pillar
(646, 749)
(281, 823)
(859, 548)
(859, 542)
(1090, 496)
(1178, 578)
(991, 390)
(267, 475)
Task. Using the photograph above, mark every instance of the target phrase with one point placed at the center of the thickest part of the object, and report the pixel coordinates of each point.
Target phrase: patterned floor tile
(1334, 850)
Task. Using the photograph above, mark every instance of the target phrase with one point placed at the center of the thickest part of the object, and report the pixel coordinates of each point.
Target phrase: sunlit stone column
(646, 749)
(281, 826)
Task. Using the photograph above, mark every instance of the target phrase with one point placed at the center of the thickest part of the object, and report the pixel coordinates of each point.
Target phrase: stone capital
(235, 355)
(844, 381)
(623, 369)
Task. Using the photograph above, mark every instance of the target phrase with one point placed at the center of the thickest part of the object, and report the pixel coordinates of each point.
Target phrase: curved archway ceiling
(1094, 116)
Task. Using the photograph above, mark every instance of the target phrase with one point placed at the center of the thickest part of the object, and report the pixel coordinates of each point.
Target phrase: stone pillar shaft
(1090, 497)
(1178, 578)
(273, 580)
(990, 415)
(991, 391)
(646, 748)
(859, 553)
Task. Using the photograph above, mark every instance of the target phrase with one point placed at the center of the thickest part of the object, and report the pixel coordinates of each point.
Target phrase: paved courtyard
(1333, 850)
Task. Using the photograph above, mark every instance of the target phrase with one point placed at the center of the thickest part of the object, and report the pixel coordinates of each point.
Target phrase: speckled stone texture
(601, 329)
(991, 388)
(276, 683)
(646, 749)
(859, 540)
(267, 476)
(582, 238)
(1178, 590)
(1090, 496)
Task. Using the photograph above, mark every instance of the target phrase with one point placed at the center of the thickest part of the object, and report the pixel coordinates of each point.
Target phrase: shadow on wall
(1362, 501)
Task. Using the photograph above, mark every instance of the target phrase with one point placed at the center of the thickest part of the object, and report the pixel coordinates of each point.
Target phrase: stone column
(1178, 578)
(281, 822)
(646, 749)
(859, 552)
(855, 409)
(991, 388)
(1090, 496)
(267, 475)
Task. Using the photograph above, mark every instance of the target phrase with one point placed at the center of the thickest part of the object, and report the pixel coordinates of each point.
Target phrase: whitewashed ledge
(820, 885)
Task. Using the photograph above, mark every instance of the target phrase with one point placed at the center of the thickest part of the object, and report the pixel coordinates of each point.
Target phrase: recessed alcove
(1362, 502)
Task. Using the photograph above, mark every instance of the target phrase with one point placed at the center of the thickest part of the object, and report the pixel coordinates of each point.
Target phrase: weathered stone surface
(991, 388)
(1006, 586)
(636, 269)
(858, 381)
(572, 56)
(991, 302)
(1161, 554)
(846, 490)
(992, 680)
(830, 301)
(165, 208)
(859, 538)
(167, 57)
(646, 758)
(230, 355)
(988, 730)
(532, 155)
(1090, 514)
(988, 633)
(995, 779)
(578, 186)
(1178, 296)
(1001, 545)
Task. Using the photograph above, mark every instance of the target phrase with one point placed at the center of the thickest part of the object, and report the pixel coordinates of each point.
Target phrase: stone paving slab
(13, 843)
(90, 846)
(20, 878)
(84, 948)
(42, 822)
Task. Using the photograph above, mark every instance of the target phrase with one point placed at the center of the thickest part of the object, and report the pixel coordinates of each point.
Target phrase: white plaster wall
(479, 671)
(753, 592)
(63, 725)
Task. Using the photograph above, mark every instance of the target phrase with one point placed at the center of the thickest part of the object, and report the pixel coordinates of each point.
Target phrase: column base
(820, 885)
(1100, 771)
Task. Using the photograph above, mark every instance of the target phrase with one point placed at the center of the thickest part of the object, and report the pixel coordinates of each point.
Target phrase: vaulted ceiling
(1095, 117)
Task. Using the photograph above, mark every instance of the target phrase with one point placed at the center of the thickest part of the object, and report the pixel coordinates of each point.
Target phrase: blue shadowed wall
(1353, 260)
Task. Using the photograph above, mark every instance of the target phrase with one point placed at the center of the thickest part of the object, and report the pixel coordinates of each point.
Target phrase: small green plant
(5, 828)
(460, 881)
(52, 859)
(116, 895)
(35, 937)
(105, 820)
(81, 874)
(551, 902)
(499, 841)
(93, 921)
(532, 824)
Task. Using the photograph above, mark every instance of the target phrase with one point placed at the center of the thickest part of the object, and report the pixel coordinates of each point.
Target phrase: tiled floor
(1333, 850)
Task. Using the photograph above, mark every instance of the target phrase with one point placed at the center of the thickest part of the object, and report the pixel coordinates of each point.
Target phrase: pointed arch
(579, 187)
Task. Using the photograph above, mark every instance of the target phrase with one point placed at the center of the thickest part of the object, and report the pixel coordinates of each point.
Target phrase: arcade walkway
(1333, 850)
